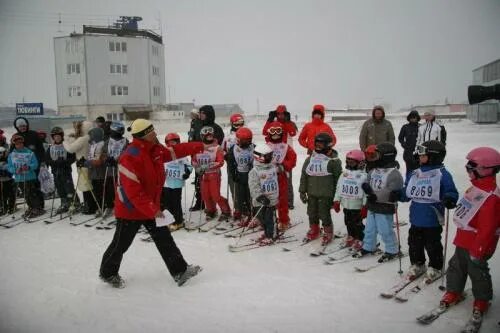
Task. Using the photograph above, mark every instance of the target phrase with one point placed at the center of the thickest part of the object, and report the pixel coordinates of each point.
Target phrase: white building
(487, 111)
(115, 72)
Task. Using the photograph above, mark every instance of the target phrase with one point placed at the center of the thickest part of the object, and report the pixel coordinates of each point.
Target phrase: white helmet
(263, 153)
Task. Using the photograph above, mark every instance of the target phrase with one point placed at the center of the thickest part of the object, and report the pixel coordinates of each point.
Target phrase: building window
(109, 116)
(117, 46)
(121, 116)
(112, 46)
(74, 91)
(156, 71)
(73, 68)
(124, 47)
(121, 69)
(156, 91)
(112, 69)
(155, 50)
(119, 91)
(124, 69)
(118, 68)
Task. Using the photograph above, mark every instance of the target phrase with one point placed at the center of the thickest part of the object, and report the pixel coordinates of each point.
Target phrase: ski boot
(27, 213)
(313, 233)
(209, 216)
(327, 235)
(175, 226)
(357, 245)
(348, 241)
(61, 210)
(115, 281)
(196, 207)
(450, 298)
(432, 275)
(388, 256)
(283, 226)
(224, 216)
(107, 213)
(254, 223)
(190, 271)
(361, 253)
(266, 241)
(237, 216)
(416, 270)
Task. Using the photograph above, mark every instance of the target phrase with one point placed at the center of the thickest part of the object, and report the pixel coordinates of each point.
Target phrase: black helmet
(325, 140)
(386, 155)
(56, 131)
(434, 149)
(116, 129)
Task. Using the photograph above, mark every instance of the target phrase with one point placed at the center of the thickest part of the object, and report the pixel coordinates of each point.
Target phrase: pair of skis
(252, 244)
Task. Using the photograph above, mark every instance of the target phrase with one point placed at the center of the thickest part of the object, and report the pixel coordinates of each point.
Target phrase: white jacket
(80, 146)
(428, 131)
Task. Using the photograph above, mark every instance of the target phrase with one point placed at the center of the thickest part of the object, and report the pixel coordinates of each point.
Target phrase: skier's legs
(416, 245)
(354, 223)
(479, 273)
(266, 216)
(109, 195)
(384, 226)
(290, 190)
(283, 199)
(312, 210)
(456, 274)
(124, 236)
(433, 246)
(205, 194)
(370, 239)
(214, 188)
(169, 251)
(324, 206)
(174, 203)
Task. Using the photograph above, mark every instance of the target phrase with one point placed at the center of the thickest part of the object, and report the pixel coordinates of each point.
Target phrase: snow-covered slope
(49, 276)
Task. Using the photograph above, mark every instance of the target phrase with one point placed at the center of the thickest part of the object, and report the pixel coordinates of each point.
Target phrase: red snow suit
(482, 242)
(141, 177)
(208, 163)
(309, 131)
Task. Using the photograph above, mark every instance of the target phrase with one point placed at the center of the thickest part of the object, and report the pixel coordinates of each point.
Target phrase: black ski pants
(171, 200)
(266, 216)
(123, 238)
(421, 240)
(354, 223)
(8, 195)
(64, 186)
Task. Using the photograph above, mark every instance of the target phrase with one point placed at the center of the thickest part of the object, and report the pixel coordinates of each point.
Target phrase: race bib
(174, 169)
(208, 155)
(243, 157)
(469, 205)
(350, 187)
(20, 159)
(269, 182)
(318, 165)
(57, 151)
(279, 152)
(116, 147)
(424, 187)
(230, 141)
(378, 179)
(95, 150)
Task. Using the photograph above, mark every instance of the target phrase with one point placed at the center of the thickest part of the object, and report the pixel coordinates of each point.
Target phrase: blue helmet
(117, 127)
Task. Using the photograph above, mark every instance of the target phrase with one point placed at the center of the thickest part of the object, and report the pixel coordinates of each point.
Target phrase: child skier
(112, 149)
(384, 183)
(208, 164)
(95, 164)
(318, 182)
(60, 161)
(285, 159)
(352, 198)
(430, 189)
(176, 172)
(478, 229)
(240, 160)
(22, 163)
(237, 121)
(7, 184)
(264, 189)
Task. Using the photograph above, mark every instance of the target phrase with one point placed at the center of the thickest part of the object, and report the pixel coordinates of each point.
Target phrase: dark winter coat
(209, 112)
(375, 131)
(31, 141)
(59, 160)
(408, 139)
(196, 125)
(321, 186)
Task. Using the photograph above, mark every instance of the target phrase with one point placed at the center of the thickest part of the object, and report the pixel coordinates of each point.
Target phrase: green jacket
(374, 132)
(320, 185)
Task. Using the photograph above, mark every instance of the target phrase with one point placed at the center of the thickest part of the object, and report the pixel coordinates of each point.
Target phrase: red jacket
(215, 166)
(309, 131)
(141, 177)
(289, 128)
(482, 243)
(290, 159)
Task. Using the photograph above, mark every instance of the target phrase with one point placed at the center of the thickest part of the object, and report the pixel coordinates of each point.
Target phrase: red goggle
(275, 131)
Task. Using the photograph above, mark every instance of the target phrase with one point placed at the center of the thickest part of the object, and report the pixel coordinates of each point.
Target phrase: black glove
(80, 163)
(394, 196)
(367, 188)
(263, 200)
(303, 197)
(371, 197)
(449, 203)
(187, 172)
(272, 115)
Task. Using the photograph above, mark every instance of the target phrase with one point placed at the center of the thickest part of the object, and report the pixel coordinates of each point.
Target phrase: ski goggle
(207, 131)
(421, 150)
(471, 166)
(239, 123)
(275, 131)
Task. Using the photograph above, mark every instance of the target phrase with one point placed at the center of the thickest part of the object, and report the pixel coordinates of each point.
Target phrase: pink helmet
(483, 161)
(356, 155)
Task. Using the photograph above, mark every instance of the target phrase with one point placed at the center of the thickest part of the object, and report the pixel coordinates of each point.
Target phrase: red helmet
(244, 133)
(356, 155)
(281, 108)
(172, 136)
(483, 162)
(237, 119)
(371, 153)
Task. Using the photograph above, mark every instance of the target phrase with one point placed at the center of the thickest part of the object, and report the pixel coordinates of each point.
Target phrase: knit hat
(100, 119)
(429, 113)
(20, 122)
(140, 128)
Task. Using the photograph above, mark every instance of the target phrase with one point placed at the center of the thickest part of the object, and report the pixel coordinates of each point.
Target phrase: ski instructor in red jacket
(316, 126)
(137, 202)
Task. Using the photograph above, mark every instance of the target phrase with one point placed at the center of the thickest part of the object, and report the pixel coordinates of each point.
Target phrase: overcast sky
(298, 53)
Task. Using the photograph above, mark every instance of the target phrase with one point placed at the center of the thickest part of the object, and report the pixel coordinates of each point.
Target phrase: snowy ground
(48, 277)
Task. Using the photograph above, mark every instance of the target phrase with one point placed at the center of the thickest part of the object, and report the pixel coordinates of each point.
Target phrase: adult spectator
(100, 122)
(408, 139)
(376, 130)
(196, 125)
(281, 115)
(137, 204)
(431, 130)
(315, 126)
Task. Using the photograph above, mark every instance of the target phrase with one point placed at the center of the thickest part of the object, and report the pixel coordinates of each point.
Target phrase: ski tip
(285, 249)
(386, 296)
(401, 299)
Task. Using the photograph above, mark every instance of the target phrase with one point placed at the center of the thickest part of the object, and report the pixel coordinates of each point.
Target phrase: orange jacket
(309, 131)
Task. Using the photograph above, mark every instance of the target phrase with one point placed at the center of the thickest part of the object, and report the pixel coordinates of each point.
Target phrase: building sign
(29, 109)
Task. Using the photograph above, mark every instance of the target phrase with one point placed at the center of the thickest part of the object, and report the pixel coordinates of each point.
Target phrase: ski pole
(72, 208)
(202, 210)
(400, 272)
(104, 192)
(53, 198)
(249, 223)
(442, 286)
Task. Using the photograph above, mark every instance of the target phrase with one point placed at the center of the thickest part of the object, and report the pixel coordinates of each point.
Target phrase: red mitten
(364, 212)
(336, 206)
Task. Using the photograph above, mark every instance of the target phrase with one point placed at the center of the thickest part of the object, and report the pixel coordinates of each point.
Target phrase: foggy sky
(298, 53)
